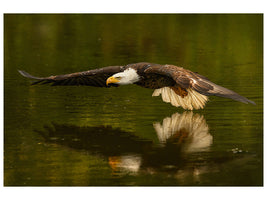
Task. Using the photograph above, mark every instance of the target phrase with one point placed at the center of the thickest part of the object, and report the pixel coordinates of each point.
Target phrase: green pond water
(86, 136)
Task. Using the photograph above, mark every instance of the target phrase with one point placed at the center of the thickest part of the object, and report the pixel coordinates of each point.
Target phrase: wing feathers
(211, 89)
(201, 85)
(96, 77)
(188, 79)
(27, 75)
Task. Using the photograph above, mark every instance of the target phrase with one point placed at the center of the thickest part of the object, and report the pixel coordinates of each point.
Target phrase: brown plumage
(96, 77)
(178, 86)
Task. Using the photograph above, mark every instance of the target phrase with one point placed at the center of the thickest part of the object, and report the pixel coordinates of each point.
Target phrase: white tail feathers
(193, 100)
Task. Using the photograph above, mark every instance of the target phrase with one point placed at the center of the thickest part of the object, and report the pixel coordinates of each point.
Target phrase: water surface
(86, 136)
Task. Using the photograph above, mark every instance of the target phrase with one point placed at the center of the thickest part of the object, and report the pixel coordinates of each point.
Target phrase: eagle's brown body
(167, 80)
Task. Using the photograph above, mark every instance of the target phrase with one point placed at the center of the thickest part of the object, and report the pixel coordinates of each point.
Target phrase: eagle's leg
(180, 91)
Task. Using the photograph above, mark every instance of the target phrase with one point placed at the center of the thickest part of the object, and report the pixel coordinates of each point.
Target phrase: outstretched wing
(96, 77)
(188, 79)
(209, 88)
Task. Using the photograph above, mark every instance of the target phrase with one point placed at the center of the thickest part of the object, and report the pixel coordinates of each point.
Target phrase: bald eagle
(176, 85)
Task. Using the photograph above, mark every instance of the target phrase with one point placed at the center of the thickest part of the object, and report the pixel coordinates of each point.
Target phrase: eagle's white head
(128, 76)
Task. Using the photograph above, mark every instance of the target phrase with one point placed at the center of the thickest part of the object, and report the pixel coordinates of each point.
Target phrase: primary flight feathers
(177, 85)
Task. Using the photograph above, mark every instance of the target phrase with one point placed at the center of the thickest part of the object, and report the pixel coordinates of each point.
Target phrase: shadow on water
(184, 148)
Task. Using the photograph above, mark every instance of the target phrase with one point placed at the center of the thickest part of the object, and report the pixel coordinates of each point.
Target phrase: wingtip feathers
(27, 75)
(23, 73)
(240, 98)
(252, 102)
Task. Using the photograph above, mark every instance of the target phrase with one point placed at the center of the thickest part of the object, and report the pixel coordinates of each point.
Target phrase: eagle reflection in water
(178, 135)
(188, 130)
(182, 138)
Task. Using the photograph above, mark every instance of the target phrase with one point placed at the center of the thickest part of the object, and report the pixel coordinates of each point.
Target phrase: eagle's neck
(128, 76)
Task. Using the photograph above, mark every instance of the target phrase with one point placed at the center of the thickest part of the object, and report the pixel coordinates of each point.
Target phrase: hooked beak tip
(107, 82)
(111, 80)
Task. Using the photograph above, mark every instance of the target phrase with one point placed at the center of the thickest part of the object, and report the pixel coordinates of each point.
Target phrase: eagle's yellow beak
(112, 80)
